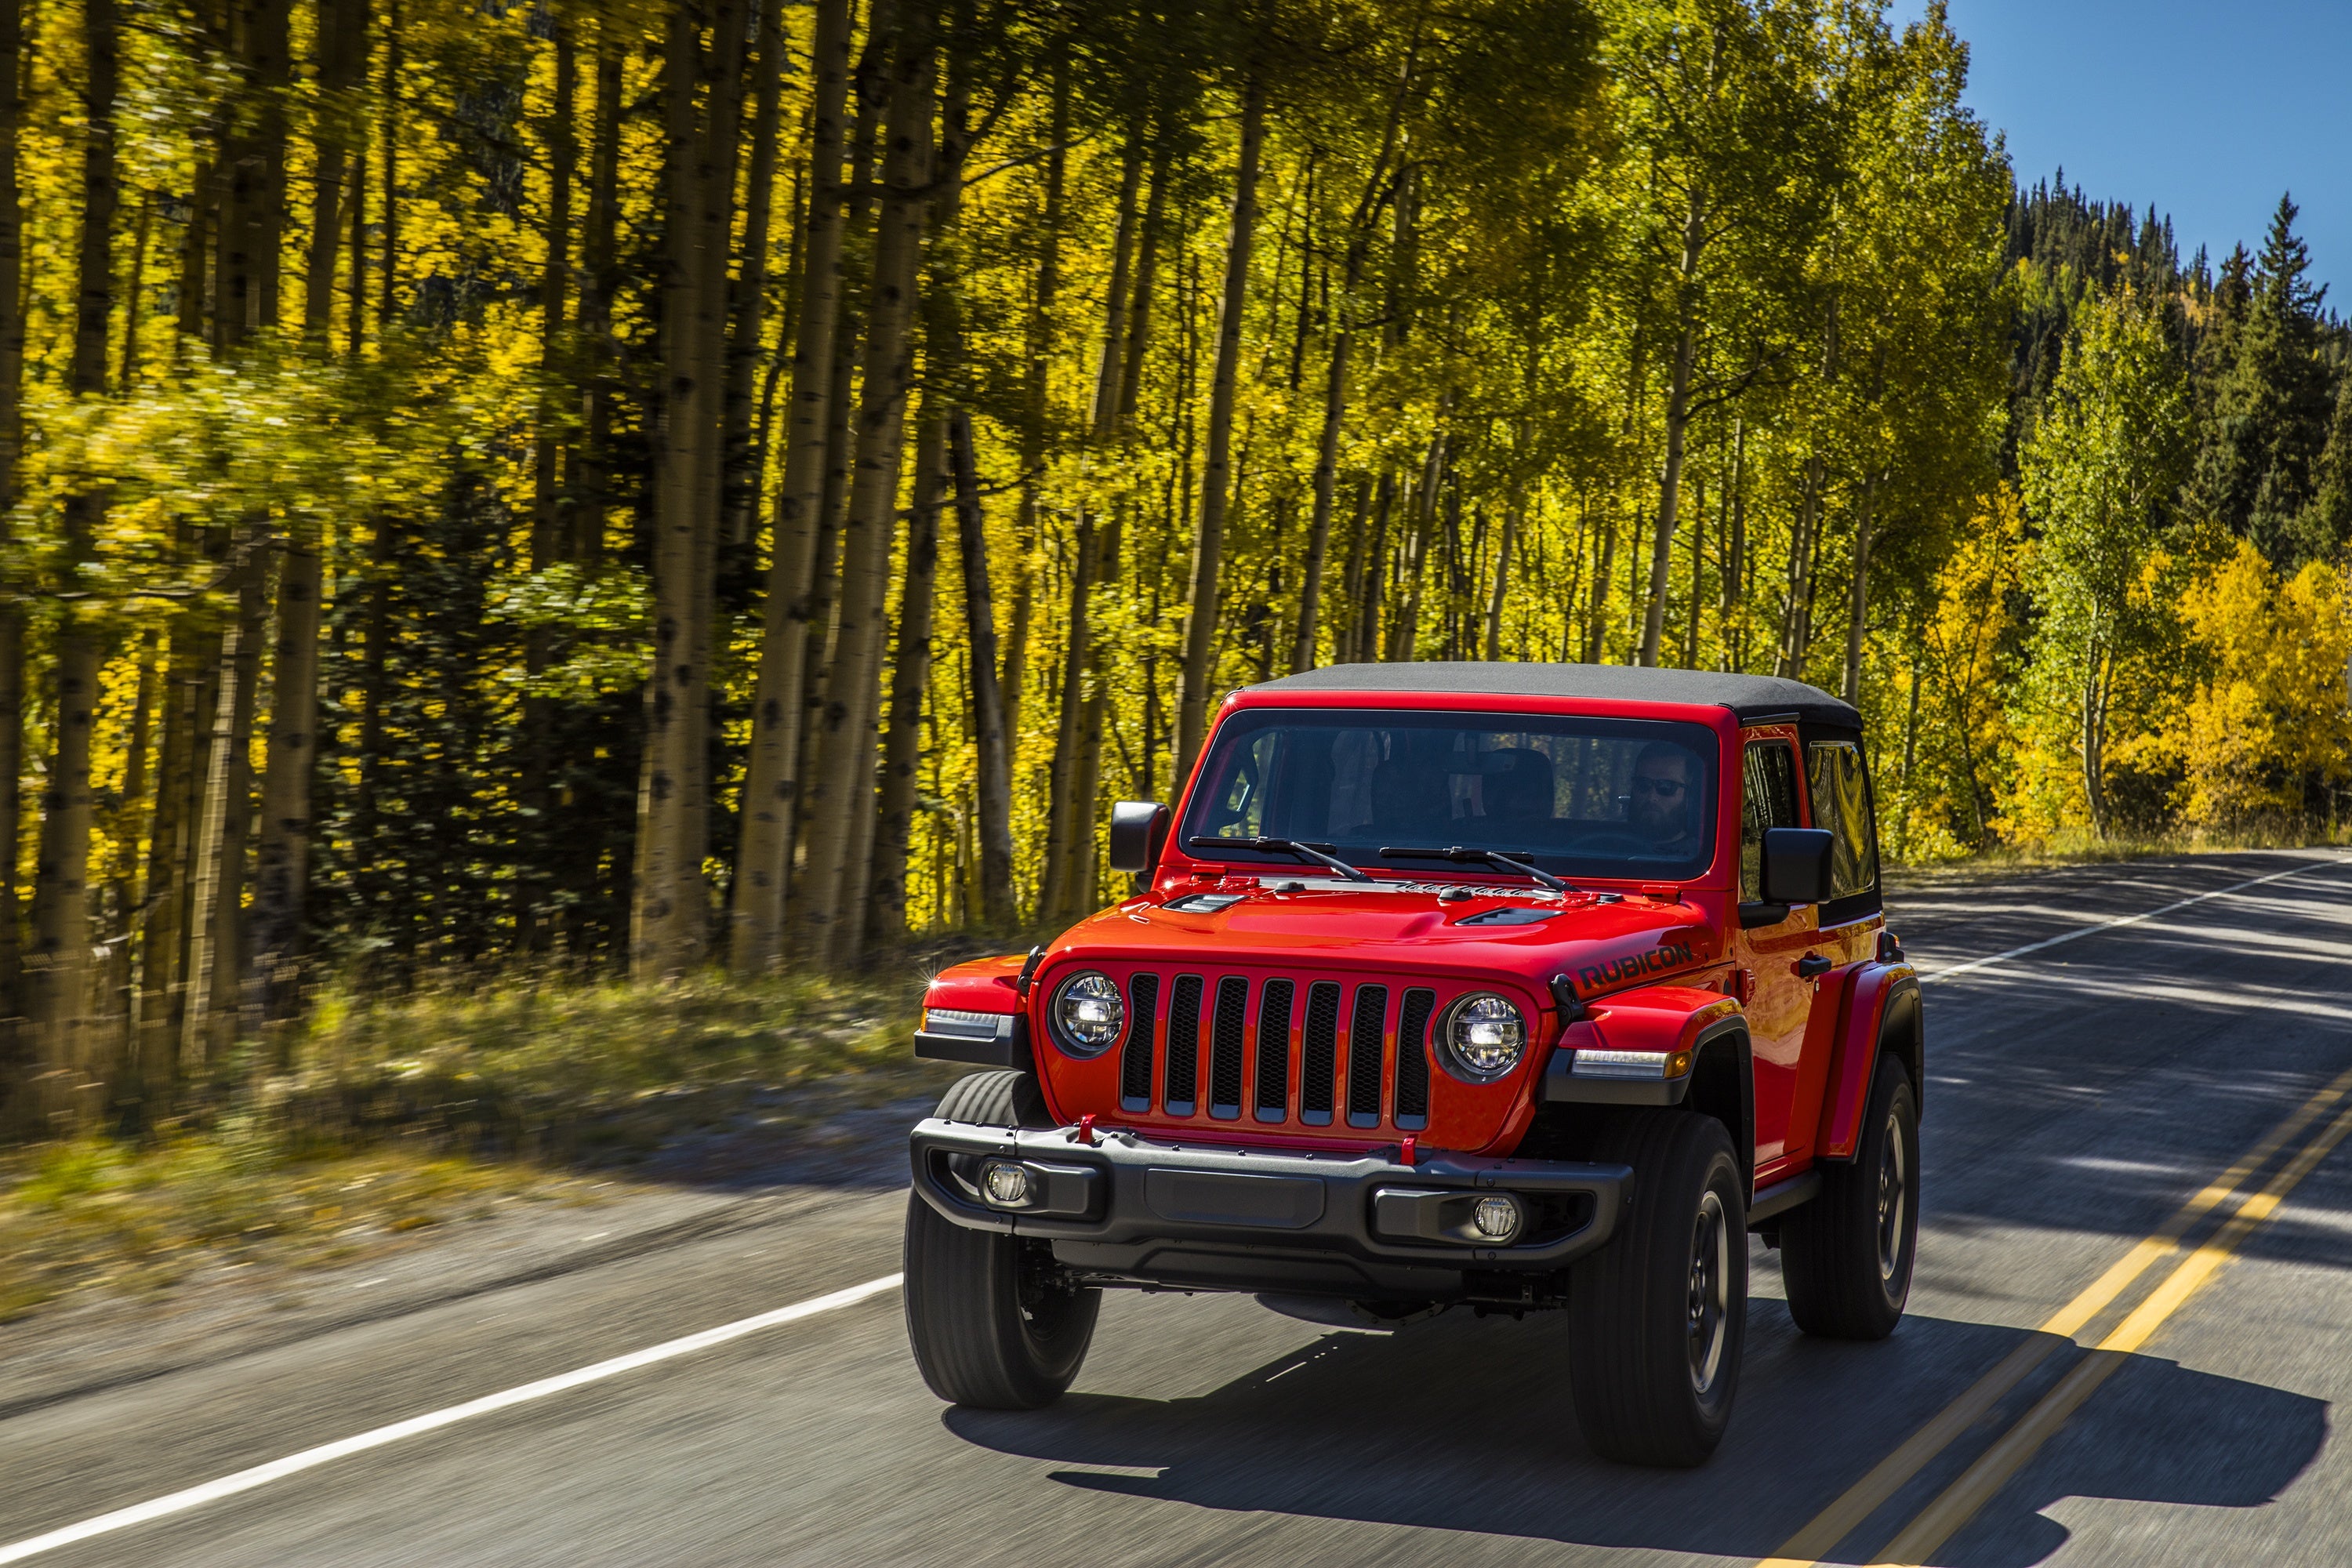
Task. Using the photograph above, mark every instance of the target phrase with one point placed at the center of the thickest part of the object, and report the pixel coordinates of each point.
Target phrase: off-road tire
(1846, 1256)
(1642, 1396)
(992, 1320)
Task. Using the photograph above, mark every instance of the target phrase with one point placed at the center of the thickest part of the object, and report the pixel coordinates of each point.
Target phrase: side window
(1841, 805)
(1769, 799)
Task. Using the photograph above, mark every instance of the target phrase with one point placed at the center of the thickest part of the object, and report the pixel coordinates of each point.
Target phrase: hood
(1603, 941)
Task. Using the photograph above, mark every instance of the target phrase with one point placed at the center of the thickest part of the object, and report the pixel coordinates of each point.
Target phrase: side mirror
(1139, 831)
(1797, 864)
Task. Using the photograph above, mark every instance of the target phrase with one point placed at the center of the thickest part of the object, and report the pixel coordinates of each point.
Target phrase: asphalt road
(2077, 1095)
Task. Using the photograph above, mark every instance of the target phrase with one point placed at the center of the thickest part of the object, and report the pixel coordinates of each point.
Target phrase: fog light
(1497, 1218)
(1006, 1185)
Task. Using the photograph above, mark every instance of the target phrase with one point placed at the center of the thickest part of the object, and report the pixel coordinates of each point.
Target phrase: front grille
(1364, 1055)
(1318, 1066)
(1412, 1057)
(1183, 1079)
(1135, 1063)
(1274, 1049)
(1368, 1044)
(1225, 1052)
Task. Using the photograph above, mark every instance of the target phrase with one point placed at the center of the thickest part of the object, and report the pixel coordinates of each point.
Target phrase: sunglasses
(1665, 789)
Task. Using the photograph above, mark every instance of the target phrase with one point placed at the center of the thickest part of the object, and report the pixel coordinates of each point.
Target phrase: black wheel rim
(1709, 1301)
(1894, 1199)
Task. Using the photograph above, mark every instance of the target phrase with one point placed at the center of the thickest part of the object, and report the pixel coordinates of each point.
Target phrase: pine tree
(2326, 525)
(2270, 409)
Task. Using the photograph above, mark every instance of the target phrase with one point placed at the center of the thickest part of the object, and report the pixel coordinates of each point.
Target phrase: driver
(1665, 808)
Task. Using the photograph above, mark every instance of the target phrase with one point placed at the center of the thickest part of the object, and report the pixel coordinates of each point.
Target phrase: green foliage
(2101, 470)
(2258, 471)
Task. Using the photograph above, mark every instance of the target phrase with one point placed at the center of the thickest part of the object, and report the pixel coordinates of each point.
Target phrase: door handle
(1813, 965)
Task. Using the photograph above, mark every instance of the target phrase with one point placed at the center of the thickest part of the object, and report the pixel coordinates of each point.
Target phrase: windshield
(1590, 797)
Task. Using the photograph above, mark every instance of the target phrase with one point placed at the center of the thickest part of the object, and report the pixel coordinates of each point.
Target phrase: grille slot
(1183, 1079)
(1225, 1048)
(1318, 1054)
(1135, 1065)
(1364, 1055)
(1274, 1051)
(1412, 1057)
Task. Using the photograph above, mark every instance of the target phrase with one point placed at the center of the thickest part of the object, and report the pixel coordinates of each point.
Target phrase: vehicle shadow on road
(1466, 1424)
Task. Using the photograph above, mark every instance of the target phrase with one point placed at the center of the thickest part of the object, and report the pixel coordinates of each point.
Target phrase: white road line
(1957, 968)
(417, 1426)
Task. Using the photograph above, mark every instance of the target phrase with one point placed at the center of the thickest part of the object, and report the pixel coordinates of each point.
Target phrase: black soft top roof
(1749, 696)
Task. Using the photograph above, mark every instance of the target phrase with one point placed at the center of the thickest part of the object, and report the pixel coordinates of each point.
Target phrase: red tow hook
(1086, 1130)
(1406, 1151)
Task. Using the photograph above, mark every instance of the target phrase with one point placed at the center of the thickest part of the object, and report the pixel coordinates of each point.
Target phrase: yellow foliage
(1960, 661)
(2269, 716)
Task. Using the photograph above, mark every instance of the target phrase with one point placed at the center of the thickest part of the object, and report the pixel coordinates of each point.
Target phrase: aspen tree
(1201, 601)
(12, 448)
(282, 869)
(56, 974)
(756, 937)
(841, 789)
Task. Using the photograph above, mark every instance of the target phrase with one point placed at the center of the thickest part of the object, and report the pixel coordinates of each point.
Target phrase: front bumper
(1212, 1216)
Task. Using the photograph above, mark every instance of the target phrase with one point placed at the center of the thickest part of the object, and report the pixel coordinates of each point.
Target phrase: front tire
(1846, 1256)
(993, 1320)
(1659, 1315)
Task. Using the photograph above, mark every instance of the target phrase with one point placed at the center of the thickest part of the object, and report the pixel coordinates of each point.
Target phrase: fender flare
(1883, 1009)
(1668, 1017)
(1723, 1085)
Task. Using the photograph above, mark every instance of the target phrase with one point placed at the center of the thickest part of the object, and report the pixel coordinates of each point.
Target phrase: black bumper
(1201, 1216)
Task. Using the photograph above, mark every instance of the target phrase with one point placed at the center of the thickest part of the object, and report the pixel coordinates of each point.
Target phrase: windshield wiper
(1491, 856)
(1288, 847)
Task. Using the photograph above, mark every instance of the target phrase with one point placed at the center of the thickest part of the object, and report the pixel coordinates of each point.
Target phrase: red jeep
(1509, 986)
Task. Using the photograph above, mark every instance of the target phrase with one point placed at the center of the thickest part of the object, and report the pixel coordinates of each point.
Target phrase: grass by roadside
(2083, 849)
(578, 1072)
(384, 1117)
(98, 1214)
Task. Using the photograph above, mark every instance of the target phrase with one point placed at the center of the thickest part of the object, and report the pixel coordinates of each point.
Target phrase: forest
(651, 487)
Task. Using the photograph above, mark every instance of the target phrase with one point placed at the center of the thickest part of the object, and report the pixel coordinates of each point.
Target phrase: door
(1779, 998)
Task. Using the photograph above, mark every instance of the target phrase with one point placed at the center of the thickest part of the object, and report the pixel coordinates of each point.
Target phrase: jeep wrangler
(1510, 986)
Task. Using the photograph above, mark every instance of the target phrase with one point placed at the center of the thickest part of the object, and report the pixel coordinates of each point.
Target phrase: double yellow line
(1961, 1502)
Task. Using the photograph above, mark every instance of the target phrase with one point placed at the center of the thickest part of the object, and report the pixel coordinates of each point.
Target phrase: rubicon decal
(1667, 955)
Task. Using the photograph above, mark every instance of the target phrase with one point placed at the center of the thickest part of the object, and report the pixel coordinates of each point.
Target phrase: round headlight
(1088, 1014)
(1484, 1036)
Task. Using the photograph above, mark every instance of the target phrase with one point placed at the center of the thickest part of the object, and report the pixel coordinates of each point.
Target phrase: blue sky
(2208, 111)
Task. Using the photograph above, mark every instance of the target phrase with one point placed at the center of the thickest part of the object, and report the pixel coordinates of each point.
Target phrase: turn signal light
(1590, 1063)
